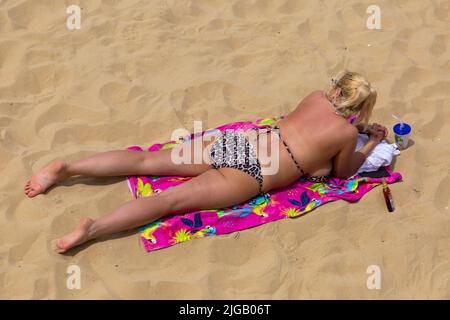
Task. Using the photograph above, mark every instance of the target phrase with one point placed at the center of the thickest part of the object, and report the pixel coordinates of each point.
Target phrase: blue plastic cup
(401, 134)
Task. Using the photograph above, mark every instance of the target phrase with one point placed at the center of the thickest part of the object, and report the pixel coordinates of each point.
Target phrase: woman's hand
(375, 127)
(376, 135)
(376, 131)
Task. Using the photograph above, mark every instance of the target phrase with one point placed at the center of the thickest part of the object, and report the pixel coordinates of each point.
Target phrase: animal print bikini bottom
(232, 150)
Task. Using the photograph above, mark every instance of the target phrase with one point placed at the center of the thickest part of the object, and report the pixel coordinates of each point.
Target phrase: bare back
(313, 133)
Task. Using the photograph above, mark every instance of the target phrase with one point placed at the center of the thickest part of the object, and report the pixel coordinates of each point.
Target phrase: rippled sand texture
(139, 69)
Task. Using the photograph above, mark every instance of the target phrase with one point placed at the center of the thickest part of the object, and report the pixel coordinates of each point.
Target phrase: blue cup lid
(402, 130)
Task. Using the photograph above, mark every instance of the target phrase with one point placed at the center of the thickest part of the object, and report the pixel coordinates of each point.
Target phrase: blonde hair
(357, 96)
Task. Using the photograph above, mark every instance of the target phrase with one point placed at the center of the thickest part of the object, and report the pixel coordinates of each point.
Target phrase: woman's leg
(224, 187)
(114, 163)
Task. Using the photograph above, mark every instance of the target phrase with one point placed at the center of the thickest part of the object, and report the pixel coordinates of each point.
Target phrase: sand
(137, 70)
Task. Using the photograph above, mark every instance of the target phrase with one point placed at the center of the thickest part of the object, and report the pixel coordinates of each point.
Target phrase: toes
(32, 193)
(60, 250)
(29, 190)
(60, 247)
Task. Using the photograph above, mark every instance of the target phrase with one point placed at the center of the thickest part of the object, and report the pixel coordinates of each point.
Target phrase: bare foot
(46, 177)
(76, 237)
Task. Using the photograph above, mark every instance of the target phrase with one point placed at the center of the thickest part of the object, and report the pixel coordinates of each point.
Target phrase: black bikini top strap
(289, 150)
(277, 130)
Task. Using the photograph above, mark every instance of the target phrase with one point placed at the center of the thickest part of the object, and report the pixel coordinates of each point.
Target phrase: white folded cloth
(380, 156)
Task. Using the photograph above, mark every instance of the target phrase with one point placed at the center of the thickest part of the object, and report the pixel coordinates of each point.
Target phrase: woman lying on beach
(315, 140)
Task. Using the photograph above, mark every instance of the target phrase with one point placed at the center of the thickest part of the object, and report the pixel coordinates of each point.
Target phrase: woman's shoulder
(312, 98)
(316, 94)
(316, 97)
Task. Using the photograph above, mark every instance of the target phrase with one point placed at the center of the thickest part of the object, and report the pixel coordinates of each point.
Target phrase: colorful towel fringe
(293, 201)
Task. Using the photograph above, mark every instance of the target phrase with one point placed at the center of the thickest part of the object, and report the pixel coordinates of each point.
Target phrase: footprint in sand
(40, 289)
(442, 197)
(64, 113)
(432, 129)
(403, 87)
(35, 15)
(17, 252)
(439, 45)
(114, 93)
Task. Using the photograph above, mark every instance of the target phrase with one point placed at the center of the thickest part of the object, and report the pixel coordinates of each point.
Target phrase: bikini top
(306, 175)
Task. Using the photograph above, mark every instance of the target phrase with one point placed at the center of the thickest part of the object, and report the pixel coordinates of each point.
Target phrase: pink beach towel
(290, 202)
